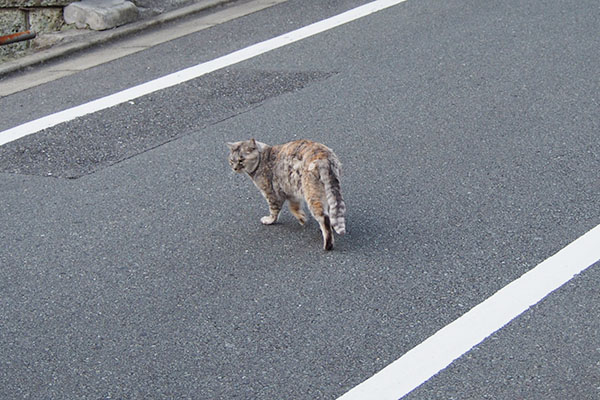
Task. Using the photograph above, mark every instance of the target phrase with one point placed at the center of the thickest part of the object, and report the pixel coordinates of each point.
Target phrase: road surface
(133, 264)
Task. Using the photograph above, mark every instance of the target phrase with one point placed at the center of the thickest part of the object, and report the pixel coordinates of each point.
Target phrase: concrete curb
(99, 37)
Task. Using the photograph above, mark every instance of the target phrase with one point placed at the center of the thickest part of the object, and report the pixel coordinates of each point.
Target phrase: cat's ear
(253, 143)
(231, 145)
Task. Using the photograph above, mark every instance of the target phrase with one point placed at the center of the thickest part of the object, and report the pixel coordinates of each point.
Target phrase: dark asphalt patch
(87, 144)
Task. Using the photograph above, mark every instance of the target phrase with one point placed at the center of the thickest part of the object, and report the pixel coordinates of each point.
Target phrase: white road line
(187, 74)
(132, 44)
(449, 343)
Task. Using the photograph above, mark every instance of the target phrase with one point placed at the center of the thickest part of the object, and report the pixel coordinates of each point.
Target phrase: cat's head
(244, 156)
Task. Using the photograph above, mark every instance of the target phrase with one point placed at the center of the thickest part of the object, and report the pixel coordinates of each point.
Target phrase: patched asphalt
(70, 150)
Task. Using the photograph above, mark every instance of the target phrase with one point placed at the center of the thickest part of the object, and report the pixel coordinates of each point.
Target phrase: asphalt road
(133, 264)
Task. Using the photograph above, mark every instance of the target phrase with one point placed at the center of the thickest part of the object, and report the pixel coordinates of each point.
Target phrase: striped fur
(330, 176)
(295, 172)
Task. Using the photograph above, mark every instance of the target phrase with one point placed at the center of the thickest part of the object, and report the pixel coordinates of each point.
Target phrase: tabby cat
(295, 171)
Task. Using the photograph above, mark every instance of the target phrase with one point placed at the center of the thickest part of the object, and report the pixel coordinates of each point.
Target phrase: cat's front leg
(270, 219)
(274, 209)
(274, 201)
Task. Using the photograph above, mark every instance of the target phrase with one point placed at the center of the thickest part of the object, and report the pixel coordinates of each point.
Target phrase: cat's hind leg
(296, 209)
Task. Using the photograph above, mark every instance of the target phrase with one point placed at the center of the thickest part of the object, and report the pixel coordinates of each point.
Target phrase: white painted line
(449, 343)
(133, 43)
(187, 74)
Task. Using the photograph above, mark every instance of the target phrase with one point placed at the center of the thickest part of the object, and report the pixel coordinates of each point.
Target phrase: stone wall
(39, 16)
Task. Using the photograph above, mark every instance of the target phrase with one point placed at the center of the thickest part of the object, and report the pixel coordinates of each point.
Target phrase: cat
(295, 171)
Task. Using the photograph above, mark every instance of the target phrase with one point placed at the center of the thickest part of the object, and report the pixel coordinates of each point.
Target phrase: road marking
(187, 74)
(132, 44)
(437, 352)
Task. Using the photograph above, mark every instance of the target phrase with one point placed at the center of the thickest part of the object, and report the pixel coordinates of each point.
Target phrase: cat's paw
(302, 219)
(268, 220)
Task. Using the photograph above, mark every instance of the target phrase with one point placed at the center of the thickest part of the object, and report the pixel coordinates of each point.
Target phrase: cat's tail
(329, 170)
